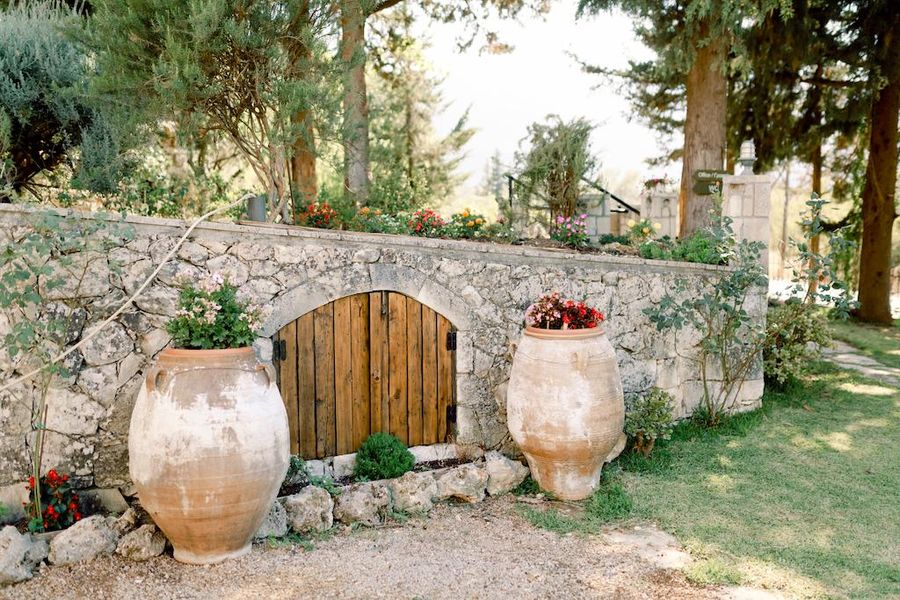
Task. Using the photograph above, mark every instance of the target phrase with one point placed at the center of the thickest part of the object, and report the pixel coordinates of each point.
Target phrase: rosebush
(319, 215)
(571, 231)
(60, 505)
(649, 418)
(729, 337)
(426, 223)
(793, 341)
(210, 316)
(552, 312)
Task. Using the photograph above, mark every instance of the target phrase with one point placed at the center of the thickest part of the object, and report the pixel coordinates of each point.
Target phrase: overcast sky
(508, 92)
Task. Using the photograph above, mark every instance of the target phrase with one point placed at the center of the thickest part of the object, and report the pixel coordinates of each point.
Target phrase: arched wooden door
(378, 361)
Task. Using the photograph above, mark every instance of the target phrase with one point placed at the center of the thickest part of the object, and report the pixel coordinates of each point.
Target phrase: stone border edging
(361, 239)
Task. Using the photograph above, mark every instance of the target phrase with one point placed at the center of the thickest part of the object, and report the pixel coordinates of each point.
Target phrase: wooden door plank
(377, 357)
(414, 371)
(343, 380)
(429, 377)
(305, 342)
(325, 398)
(287, 382)
(446, 383)
(397, 382)
(361, 381)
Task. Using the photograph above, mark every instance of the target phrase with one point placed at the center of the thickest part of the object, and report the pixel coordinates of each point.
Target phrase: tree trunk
(304, 184)
(815, 242)
(704, 127)
(783, 247)
(356, 104)
(878, 208)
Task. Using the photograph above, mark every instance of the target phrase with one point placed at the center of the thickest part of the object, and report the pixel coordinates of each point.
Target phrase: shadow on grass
(800, 495)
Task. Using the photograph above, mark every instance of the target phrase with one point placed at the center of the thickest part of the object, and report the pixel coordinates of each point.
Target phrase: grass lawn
(881, 342)
(801, 496)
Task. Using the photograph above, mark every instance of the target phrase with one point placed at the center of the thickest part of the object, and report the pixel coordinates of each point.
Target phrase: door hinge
(451, 340)
(451, 414)
(279, 350)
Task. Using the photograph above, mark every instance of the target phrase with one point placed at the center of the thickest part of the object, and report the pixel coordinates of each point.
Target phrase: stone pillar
(746, 201)
(596, 207)
(661, 206)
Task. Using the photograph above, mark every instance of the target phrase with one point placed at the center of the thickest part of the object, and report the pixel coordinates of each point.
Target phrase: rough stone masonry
(482, 288)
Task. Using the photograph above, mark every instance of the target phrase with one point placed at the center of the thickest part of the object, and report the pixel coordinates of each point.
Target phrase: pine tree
(696, 43)
(409, 160)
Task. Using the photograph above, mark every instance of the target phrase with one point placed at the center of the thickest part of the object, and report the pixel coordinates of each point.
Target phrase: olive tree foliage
(554, 161)
(47, 119)
(242, 68)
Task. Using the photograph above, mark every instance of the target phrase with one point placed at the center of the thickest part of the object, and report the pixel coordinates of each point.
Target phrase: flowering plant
(641, 231)
(465, 224)
(210, 316)
(425, 222)
(319, 215)
(60, 506)
(552, 312)
(374, 221)
(571, 231)
(655, 182)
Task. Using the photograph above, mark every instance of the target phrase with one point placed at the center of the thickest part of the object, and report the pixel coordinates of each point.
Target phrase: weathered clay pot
(208, 449)
(565, 408)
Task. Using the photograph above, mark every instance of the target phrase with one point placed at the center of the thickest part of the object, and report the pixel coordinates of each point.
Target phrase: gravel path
(479, 551)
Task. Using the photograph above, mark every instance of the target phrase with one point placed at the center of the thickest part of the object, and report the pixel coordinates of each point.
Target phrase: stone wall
(482, 288)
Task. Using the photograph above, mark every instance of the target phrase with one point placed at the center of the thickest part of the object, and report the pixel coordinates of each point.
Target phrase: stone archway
(369, 362)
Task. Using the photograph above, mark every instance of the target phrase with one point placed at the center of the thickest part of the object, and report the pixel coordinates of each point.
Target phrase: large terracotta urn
(208, 449)
(565, 408)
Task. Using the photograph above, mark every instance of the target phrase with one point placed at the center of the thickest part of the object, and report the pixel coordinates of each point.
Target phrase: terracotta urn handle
(269, 370)
(580, 359)
(154, 378)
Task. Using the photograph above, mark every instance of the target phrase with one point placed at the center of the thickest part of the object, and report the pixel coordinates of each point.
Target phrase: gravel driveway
(476, 551)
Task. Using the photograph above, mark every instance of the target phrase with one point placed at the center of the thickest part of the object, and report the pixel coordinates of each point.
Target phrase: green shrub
(375, 221)
(649, 418)
(297, 471)
(699, 247)
(500, 232)
(609, 238)
(793, 339)
(382, 456)
(657, 249)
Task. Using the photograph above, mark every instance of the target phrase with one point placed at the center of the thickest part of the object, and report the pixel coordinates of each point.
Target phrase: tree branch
(383, 5)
